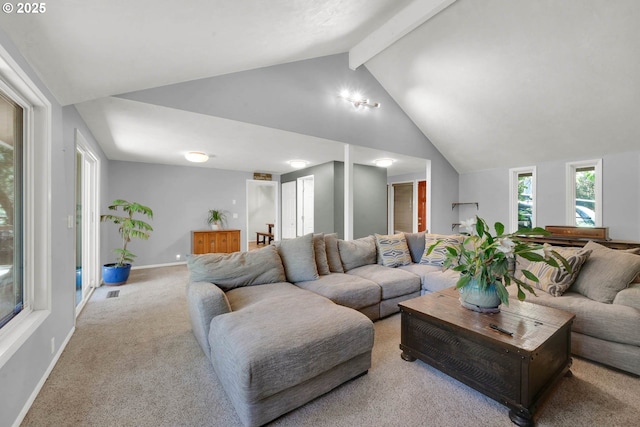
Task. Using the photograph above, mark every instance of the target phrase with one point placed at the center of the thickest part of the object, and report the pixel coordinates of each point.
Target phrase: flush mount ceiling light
(196, 156)
(358, 100)
(298, 164)
(383, 163)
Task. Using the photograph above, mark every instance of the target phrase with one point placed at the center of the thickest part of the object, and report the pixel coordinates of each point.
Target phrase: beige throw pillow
(438, 254)
(393, 250)
(607, 272)
(553, 280)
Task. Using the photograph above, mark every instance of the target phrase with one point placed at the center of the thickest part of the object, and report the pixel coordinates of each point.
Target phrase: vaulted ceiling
(490, 83)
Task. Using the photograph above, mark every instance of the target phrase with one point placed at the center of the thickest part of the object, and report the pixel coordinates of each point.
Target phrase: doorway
(407, 207)
(87, 222)
(262, 211)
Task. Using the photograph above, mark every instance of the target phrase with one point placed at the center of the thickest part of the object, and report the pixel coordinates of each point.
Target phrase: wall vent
(113, 294)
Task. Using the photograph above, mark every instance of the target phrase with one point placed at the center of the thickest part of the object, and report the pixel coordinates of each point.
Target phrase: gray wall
(302, 97)
(180, 197)
(620, 193)
(324, 195)
(369, 198)
(21, 373)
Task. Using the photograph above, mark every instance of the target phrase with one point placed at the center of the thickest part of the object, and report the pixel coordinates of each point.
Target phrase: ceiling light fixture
(196, 156)
(383, 163)
(298, 164)
(358, 100)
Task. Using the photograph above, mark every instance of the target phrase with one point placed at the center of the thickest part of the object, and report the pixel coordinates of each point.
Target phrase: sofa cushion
(629, 296)
(556, 280)
(356, 253)
(240, 298)
(393, 281)
(393, 250)
(345, 289)
(432, 277)
(438, 254)
(415, 241)
(298, 258)
(281, 342)
(233, 270)
(333, 254)
(320, 251)
(607, 272)
(609, 322)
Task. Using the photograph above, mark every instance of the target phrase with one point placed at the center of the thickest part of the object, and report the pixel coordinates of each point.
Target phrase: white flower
(506, 246)
(544, 251)
(469, 225)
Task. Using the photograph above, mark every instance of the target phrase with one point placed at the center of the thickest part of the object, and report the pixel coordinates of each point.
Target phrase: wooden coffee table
(517, 366)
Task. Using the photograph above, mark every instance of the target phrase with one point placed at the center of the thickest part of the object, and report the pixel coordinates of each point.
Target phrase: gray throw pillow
(229, 271)
(356, 253)
(415, 241)
(319, 248)
(606, 272)
(333, 255)
(298, 258)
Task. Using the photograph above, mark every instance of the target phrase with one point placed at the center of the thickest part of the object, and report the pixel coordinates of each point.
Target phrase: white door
(289, 210)
(87, 222)
(305, 205)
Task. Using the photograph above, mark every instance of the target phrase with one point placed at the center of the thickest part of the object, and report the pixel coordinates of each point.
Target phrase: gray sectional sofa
(287, 323)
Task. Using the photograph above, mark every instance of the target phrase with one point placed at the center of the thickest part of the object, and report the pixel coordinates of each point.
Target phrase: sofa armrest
(205, 301)
(629, 296)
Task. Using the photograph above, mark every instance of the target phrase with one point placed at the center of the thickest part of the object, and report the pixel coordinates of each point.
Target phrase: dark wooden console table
(516, 369)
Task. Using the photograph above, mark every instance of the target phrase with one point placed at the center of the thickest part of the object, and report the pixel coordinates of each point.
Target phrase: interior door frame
(90, 244)
(300, 202)
(276, 207)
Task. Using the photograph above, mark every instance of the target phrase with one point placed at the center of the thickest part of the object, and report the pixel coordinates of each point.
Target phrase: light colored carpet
(133, 361)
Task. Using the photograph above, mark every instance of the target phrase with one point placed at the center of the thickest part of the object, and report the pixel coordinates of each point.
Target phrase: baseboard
(169, 264)
(36, 391)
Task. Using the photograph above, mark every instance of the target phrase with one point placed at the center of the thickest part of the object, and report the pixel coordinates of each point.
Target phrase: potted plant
(487, 263)
(129, 228)
(217, 219)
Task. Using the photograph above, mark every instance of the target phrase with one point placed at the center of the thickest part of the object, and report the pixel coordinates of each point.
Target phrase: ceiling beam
(402, 23)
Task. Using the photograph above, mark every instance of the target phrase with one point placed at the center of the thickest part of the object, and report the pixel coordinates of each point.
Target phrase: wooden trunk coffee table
(515, 356)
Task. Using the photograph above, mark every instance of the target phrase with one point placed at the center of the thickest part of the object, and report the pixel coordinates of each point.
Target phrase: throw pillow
(607, 272)
(415, 241)
(438, 254)
(298, 258)
(319, 248)
(356, 253)
(393, 250)
(555, 281)
(229, 271)
(333, 255)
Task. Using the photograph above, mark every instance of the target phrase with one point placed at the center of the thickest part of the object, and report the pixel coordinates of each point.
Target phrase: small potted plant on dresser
(217, 219)
(129, 228)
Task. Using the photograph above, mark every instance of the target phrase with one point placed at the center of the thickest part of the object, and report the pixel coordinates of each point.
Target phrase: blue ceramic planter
(113, 276)
(475, 298)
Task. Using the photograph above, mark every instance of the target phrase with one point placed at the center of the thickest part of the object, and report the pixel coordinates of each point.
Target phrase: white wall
(621, 194)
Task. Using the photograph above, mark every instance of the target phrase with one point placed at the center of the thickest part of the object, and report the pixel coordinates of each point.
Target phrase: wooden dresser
(215, 241)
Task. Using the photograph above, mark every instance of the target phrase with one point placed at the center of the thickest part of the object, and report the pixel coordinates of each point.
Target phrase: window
(11, 284)
(25, 208)
(522, 197)
(584, 193)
